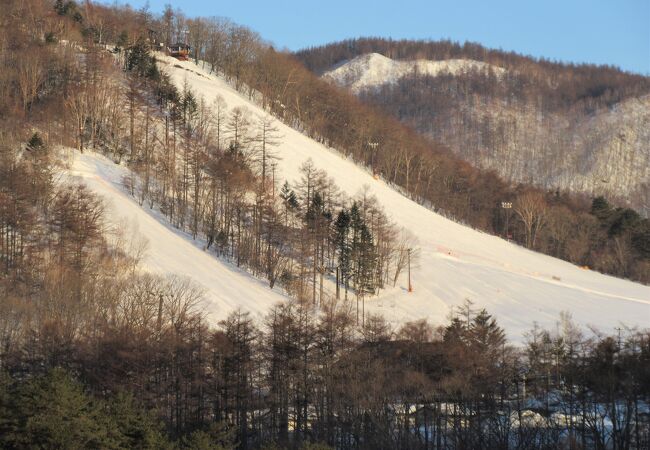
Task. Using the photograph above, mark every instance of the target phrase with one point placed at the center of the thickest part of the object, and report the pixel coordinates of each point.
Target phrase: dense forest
(97, 353)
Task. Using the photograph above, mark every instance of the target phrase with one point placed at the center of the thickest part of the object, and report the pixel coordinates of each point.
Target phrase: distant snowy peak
(373, 70)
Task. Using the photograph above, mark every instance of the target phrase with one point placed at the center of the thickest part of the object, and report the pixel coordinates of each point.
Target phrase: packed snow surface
(373, 70)
(456, 262)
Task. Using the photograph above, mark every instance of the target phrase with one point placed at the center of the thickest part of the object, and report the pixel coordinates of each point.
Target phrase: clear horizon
(593, 32)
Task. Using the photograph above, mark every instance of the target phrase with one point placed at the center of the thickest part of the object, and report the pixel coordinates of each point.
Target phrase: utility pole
(409, 269)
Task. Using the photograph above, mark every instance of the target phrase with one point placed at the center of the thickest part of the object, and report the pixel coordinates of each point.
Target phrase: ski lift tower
(507, 206)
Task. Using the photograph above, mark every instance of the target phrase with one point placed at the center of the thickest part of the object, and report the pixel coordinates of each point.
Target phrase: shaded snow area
(372, 70)
(516, 285)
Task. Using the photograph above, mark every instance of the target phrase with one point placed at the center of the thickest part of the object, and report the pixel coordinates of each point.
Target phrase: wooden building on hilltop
(179, 50)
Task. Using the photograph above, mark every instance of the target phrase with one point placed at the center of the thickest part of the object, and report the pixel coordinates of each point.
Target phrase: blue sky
(613, 32)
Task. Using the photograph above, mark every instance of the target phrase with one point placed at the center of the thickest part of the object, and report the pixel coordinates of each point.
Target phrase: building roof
(180, 45)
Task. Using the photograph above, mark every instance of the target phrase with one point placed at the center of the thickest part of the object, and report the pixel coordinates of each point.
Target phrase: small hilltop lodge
(179, 51)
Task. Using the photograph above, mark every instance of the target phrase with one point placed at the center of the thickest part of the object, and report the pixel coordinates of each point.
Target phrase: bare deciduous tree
(531, 208)
(31, 74)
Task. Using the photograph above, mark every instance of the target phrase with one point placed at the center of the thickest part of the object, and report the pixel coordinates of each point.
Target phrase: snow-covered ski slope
(170, 251)
(516, 285)
(373, 70)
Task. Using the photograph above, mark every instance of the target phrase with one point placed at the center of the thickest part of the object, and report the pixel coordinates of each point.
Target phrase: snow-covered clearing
(456, 263)
(373, 70)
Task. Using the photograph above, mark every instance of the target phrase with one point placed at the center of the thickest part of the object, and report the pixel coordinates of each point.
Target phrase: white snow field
(372, 70)
(518, 286)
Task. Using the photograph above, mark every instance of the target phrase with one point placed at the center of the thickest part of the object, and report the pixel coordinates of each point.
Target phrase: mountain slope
(579, 129)
(456, 263)
(373, 70)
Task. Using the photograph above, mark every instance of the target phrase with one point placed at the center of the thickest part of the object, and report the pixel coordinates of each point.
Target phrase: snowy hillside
(373, 70)
(457, 263)
(169, 250)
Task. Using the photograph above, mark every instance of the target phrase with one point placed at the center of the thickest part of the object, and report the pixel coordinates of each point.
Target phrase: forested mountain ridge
(576, 128)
